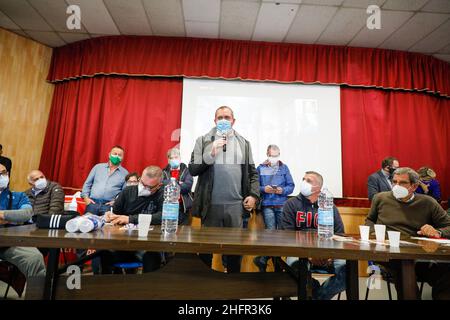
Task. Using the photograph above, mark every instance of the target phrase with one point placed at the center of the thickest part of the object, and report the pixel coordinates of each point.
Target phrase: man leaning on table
(301, 213)
(145, 198)
(413, 215)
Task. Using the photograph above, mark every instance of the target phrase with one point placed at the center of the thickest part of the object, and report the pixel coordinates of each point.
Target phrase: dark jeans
(437, 275)
(99, 208)
(151, 260)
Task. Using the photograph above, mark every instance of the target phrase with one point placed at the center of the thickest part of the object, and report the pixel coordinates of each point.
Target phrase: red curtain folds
(247, 60)
(89, 116)
(413, 127)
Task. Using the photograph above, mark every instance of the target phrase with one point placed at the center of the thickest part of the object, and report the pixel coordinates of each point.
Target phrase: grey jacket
(377, 183)
(202, 165)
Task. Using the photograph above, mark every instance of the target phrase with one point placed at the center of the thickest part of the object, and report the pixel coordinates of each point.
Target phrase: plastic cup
(380, 232)
(364, 232)
(144, 221)
(394, 238)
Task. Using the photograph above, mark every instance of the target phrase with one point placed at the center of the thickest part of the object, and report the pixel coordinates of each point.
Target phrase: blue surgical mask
(223, 126)
(174, 163)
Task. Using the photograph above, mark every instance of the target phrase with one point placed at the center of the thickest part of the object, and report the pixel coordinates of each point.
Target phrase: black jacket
(186, 187)
(300, 214)
(205, 172)
(377, 183)
(48, 201)
(128, 203)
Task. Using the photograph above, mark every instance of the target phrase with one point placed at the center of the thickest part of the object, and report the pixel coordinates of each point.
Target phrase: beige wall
(25, 99)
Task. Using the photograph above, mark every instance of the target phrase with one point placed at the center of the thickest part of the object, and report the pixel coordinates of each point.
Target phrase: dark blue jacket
(300, 214)
(279, 176)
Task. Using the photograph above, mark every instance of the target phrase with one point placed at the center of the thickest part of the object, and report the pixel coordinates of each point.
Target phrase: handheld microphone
(224, 147)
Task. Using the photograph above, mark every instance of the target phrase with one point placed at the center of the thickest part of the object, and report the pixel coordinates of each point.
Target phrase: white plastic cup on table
(380, 232)
(144, 221)
(364, 232)
(394, 238)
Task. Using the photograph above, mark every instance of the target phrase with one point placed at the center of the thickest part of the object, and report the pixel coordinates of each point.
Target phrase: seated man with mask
(15, 208)
(145, 198)
(413, 215)
(301, 213)
(46, 197)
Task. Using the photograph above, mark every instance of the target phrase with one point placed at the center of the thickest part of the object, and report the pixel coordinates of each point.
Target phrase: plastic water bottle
(91, 222)
(325, 228)
(73, 206)
(171, 206)
(73, 225)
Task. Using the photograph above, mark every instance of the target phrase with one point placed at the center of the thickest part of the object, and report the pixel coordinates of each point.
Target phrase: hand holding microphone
(224, 138)
(218, 144)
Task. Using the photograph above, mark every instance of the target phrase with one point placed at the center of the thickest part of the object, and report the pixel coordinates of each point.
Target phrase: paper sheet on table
(385, 243)
(133, 227)
(441, 241)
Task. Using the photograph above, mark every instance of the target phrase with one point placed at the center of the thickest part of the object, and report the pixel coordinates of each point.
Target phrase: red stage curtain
(89, 116)
(413, 127)
(246, 60)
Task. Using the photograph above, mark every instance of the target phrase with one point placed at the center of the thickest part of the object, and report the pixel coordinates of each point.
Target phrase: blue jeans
(272, 217)
(99, 208)
(332, 286)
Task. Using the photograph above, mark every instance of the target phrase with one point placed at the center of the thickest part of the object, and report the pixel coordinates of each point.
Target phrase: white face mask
(142, 191)
(273, 160)
(40, 184)
(305, 188)
(4, 180)
(399, 192)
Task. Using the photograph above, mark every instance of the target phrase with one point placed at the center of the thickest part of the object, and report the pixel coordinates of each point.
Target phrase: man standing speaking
(227, 183)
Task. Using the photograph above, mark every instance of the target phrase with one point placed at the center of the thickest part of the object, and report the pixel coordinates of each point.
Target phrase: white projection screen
(303, 120)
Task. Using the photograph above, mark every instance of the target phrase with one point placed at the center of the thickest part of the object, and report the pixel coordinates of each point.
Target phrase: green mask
(115, 160)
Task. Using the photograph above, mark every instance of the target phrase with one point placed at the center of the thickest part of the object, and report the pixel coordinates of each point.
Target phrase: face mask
(4, 180)
(174, 163)
(399, 192)
(115, 160)
(391, 170)
(223, 126)
(40, 184)
(273, 160)
(305, 188)
(143, 191)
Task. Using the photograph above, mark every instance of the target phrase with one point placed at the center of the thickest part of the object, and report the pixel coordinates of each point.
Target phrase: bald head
(34, 175)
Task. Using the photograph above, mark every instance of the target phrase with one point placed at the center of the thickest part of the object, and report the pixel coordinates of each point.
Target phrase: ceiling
(410, 25)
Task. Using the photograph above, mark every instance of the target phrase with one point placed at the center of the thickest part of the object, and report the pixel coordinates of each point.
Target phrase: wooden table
(195, 240)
